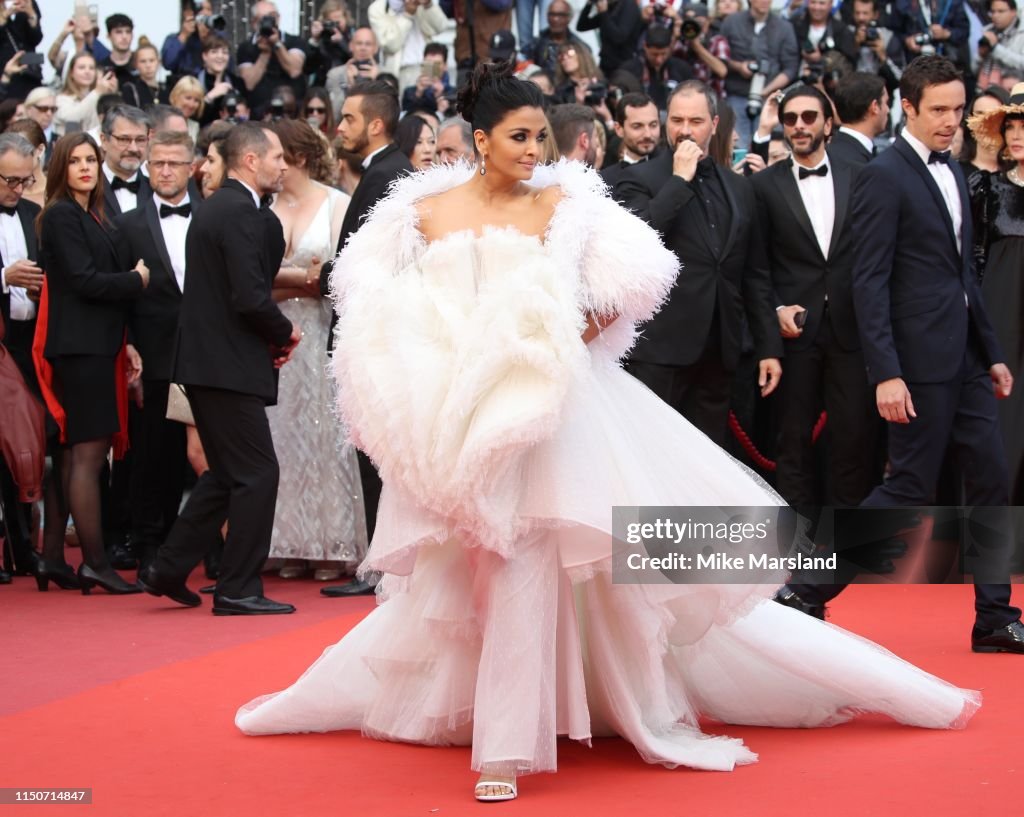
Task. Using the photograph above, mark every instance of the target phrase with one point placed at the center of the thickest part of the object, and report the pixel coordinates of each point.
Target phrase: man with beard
(232, 338)
(804, 206)
(638, 126)
(688, 353)
(572, 127)
(124, 139)
(368, 121)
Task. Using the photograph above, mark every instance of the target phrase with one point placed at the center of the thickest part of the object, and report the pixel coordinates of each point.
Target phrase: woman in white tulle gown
(483, 315)
(320, 520)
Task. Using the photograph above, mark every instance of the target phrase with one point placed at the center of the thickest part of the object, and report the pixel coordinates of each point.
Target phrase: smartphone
(738, 155)
(431, 69)
(800, 318)
(31, 59)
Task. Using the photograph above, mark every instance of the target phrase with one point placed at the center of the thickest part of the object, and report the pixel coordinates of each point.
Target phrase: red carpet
(135, 699)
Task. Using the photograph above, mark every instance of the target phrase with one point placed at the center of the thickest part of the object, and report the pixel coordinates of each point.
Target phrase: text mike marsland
(727, 561)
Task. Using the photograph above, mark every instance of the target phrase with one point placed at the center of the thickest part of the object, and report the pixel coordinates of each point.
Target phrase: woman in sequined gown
(320, 521)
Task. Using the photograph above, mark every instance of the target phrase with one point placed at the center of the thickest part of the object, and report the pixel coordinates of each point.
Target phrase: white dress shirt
(13, 248)
(126, 200)
(253, 193)
(174, 229)
(368, 159)
(819, 198)
(865, 142)
(946, 181)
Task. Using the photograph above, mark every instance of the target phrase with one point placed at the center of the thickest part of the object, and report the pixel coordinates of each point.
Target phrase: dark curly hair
(492, 92)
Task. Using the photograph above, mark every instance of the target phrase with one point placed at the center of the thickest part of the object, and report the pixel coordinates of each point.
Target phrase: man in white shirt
(124, 140)
(155, 232)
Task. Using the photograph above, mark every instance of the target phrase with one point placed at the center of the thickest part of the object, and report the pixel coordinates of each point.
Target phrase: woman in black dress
(1000, 211)
(84, 366)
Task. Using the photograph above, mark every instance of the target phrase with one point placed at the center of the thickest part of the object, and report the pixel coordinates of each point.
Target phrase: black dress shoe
(121, 557)
(1006, 639)
(249, 606)
(209, 590)
(787, 598)
(157, 585)
(5, 577)
(353, 588)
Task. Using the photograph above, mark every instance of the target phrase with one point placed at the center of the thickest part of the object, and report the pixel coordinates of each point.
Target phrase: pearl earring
(483, 165)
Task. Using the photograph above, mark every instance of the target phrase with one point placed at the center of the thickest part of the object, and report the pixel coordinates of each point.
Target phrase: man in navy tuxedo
(928, 343)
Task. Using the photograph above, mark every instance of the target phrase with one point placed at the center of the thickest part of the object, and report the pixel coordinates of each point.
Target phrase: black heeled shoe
(110, 581)
(64, 577)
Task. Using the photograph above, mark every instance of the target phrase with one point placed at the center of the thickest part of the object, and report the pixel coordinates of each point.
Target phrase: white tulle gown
(504, 443)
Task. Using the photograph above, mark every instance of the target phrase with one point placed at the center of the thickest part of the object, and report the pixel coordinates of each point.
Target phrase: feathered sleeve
(624, 270)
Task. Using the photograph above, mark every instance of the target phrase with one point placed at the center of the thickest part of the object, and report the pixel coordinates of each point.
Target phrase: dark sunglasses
(311, 109)
(807, 117)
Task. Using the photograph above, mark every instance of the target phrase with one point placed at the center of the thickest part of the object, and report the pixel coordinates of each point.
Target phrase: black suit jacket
(27, 212)
(677, 335)
(111, 207)
(612, 174)
(229, 321)
(909, 279)
(385, 167)
(154, 318)
(800, 273)
(845, 148)
(90, 283)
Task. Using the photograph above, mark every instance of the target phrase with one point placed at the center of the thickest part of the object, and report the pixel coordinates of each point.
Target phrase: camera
(276, 108)
(597, 92)
(690, 30)
(330, 26)
(212, 21)
(755, 100)
(659, 10)
(923, 39)
(231, 106)
(871, 33)
(268, 25)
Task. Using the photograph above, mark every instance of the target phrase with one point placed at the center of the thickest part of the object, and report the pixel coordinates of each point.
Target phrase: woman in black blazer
(87, 299)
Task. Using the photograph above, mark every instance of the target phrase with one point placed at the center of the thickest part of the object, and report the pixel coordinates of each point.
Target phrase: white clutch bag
(178, 408)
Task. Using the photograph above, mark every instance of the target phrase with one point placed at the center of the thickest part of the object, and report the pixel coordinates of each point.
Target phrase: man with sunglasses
(809, 253)
(124, 139)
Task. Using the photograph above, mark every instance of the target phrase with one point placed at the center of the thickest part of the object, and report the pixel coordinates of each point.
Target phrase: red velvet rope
(759, 459)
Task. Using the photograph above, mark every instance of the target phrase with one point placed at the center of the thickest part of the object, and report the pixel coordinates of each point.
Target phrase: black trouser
(158, 469)
(371, 485)
(240, 487)
(824, 375)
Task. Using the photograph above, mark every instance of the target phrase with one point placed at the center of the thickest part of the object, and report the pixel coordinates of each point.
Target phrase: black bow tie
(185, 210)
(120, 184)
(818, 171)
(266, 200)
(8, 211)
(941, 158)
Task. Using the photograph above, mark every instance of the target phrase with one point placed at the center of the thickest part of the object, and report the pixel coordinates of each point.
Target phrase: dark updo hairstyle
(492, 92)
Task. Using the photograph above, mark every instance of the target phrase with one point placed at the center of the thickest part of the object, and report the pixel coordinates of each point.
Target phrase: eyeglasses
(168, 164)
(790, 118)
(14, 182)
(559, 14)
(316, 110)
(125, 141)
(46, 108)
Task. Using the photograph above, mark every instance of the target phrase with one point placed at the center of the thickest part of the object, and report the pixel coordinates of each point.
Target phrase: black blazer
(909, 279)
(154, 316)
(111, 207)
(677, 335)
(799, 273)
(844, 148)
(27, 212)
(90, 283)
(612, 174)
(386, 166)
(229, 321)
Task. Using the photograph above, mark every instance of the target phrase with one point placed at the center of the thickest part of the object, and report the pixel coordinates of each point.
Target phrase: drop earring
(483, 165)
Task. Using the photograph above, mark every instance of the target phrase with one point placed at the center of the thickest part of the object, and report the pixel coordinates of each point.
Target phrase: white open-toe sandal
(511, 794)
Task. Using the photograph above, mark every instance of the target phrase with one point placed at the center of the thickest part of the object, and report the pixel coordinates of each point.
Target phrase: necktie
(120, 184)
(941, 158)
(266, 200)
(185, 210)
(8, 211)
(818, 171)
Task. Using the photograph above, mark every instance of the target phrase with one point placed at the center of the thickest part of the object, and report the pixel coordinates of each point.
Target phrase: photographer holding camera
(933, 27)
(658, 71)
(765, 58)
(19, 22)
(181, 52)
(820, 32)
(328, 44)
(879, 51)
(706, 53)
(1001, 47)
(270, 58)
(361, 67)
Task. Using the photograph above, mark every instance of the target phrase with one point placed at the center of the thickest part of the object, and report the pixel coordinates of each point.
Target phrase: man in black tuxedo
(21, 281)
(231, 339)
(862, 105)
(687, 354)
(155, 232)
(928, 343)
(124, 138)
(368, 121)
(809, 240)
(638, 125)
